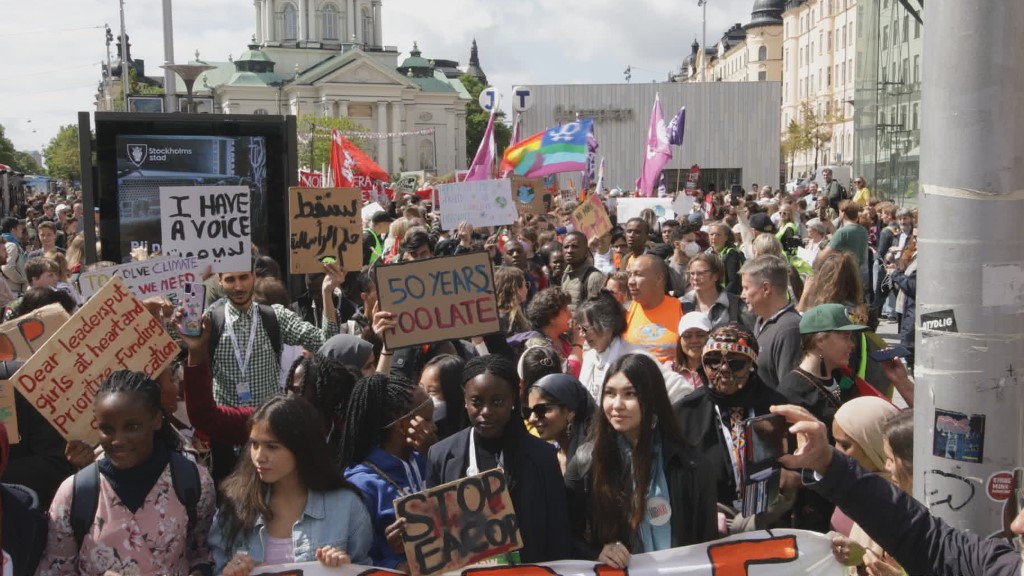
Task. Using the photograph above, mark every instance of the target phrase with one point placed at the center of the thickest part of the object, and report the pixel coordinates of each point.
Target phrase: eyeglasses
(717, 362)
(541, 410)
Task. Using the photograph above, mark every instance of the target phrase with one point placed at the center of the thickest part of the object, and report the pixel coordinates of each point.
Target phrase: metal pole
(312, 148)
(170, 91)
(971, 262)
(124, 59)
(433, 138)
(110, 70)
(703, 38)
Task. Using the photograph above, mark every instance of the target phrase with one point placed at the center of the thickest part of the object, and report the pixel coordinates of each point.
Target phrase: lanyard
(473, 469)
(229, 322)
(416, 483)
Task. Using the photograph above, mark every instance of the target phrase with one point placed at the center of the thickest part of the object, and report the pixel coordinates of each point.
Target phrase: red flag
(352, 168)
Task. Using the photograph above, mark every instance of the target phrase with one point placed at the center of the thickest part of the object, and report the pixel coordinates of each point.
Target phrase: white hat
(694, 320)
(62, 207)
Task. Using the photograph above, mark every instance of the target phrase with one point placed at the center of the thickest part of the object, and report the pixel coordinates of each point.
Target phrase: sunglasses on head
(541, 410)
(717, 361)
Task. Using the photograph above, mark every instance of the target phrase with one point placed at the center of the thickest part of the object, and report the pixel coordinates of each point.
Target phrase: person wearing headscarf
(559, 409)
(22, 530)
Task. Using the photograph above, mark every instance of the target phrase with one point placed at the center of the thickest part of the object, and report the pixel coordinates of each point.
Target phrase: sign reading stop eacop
(438, 299)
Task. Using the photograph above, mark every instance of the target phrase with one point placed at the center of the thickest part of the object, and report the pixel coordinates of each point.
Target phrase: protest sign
(211, 223)
(529, 195)
(480, 203)
(591, 218)
(691, 181)
(370, 209)
(112, 331)
(165, 276)
(438, 299)
(324, 222)
(21, 337)
(631, 208)
(8, 412)
(683, 204)
(459, 523)
(779, 553)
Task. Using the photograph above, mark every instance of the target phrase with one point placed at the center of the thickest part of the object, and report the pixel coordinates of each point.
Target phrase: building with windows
(747, 53)
(328, 58)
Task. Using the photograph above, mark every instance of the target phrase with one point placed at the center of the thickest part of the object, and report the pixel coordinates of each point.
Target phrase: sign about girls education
(210, 223)
(112, 331)
(781, 553)
(164, 276)
(591, 218)
(324, 222)
(438, 299)
(458, 524)
(480, 203)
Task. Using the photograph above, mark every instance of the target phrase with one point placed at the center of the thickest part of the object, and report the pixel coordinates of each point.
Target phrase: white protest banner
(21, 337)
(211, 223)
(781, 553)
(164, 276)
(480, 203)
(324, 222)
(112, 331)
(631, 207)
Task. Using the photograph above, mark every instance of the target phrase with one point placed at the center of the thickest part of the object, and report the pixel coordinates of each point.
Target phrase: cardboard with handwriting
(591, 218)
(324, 222)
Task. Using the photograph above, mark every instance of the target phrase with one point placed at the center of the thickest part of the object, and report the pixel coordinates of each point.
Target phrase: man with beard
(581, 279)
(637, 235)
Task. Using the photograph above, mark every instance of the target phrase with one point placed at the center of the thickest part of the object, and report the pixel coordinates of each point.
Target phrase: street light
(703, 36)
(188, 73)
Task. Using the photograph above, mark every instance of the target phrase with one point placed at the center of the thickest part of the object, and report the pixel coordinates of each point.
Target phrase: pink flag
(483, 163)
(658, 152)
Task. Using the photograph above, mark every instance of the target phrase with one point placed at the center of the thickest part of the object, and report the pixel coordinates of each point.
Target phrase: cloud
(525, 42)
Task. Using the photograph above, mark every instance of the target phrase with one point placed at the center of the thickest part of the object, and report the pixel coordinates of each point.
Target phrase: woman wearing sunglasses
(559, 410)
(712, 417)
(637, 486)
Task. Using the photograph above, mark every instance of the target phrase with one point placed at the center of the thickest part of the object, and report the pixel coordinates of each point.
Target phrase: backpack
(85, 496)
(268, 318)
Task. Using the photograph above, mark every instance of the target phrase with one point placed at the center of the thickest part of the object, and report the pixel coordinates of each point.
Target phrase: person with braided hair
(382, 459)
(497, 438)
(139, 525)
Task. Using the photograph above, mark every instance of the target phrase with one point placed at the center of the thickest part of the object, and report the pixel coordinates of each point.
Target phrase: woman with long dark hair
(560, 409)
(498, 438)
(288, 501)
(637, 486)
(441, 379)
(141, 525)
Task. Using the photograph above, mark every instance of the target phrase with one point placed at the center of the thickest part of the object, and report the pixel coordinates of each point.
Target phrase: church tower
(319, 23)
(474, 68)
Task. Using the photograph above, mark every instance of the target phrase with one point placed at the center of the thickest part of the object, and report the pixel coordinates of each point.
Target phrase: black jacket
(37, 461)
(538, 495)
(691, 494)
(24, 531)
(920, 542)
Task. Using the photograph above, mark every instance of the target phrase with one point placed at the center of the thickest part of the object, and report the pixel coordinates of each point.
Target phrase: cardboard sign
(211, 223)
(529, 195)
(632, 207)
(8, 411)
(781, 552)
(691, 181)
(683, 204)
(164, 276)
(438, 299)
(112, 331)
(324, 222)
(591, 218)
(21, 337)
(480, 203)
(459, 523)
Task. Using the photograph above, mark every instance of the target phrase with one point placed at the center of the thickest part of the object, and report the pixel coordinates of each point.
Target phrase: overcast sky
(53, 50)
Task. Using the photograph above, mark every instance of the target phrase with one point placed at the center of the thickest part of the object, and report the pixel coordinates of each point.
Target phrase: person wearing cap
(693, 334)
(373, 237)
(712, 416)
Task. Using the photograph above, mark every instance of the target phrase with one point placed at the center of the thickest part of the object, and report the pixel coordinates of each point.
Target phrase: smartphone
(736, 193)
(194, 301)
(889, 354)
(765, 438)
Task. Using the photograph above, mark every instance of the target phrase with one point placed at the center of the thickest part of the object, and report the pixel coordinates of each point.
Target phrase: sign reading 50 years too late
(438, 299)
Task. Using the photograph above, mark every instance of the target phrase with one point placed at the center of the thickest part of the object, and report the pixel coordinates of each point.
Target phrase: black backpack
(85, 496)
(268, 318)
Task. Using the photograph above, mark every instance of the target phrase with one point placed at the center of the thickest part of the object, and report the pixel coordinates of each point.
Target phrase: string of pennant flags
(303, 135)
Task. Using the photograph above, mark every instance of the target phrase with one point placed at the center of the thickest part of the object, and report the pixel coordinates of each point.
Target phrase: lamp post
(188, 73)
(703, 35)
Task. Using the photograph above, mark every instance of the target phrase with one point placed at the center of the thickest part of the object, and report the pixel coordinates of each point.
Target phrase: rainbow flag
(559, 149)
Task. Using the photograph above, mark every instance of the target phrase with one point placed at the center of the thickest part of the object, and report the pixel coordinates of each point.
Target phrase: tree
(62, 159)
(817, 130)
(794, 142)
(20, 161)
(476, 120)
(322, 138)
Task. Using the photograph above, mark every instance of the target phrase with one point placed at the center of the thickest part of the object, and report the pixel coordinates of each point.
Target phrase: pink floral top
(150, 541)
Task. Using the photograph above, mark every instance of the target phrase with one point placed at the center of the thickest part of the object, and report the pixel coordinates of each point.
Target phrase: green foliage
(322, 138)
(61, 154)
(476, 120)
(20, 161)
(815, 132)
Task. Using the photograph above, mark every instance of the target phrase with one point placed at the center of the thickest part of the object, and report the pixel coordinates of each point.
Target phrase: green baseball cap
(827, 318)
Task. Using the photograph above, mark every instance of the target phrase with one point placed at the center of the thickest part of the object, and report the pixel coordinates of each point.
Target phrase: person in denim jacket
(288, 502)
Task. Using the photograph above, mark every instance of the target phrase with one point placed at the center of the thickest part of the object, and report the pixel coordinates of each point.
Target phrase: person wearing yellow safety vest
(373, 237)
(789, 237)
(723, 244)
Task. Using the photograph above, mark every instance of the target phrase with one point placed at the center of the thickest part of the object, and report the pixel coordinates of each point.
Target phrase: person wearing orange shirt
(653, 318)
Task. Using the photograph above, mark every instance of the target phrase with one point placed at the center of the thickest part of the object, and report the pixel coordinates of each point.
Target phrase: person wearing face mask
(684, 247)
(381, 459)
(440, 380)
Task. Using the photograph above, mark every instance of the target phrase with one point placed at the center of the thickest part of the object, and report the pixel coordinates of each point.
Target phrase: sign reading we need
(438, 299)
(324, 222)
(112, 331)
(211, 223)
(165, 276)
(480, 203)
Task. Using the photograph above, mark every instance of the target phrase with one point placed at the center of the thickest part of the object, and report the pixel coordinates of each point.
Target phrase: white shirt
(595, 368)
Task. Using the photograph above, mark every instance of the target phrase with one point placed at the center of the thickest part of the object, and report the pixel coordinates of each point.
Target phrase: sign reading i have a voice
(324, 222)
(211, 223)
(438, 299)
